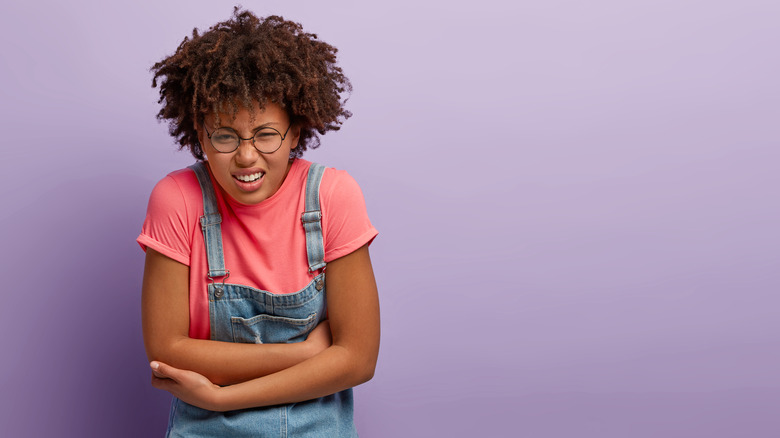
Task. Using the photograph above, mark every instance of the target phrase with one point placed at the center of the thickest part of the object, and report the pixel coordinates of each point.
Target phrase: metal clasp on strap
(219, 289)
(321, 269)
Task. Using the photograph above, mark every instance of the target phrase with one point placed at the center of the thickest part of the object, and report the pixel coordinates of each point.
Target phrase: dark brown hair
(247, 59)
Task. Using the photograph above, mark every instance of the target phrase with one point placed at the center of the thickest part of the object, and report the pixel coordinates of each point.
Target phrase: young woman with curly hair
(242, 246)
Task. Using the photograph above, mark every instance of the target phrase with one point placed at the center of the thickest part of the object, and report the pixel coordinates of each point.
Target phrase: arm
(165, 310)
(353, 310)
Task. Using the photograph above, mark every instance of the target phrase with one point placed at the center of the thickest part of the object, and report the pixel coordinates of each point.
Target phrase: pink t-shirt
(264, 244)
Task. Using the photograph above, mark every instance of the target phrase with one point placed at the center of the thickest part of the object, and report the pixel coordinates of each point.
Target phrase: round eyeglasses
(266, 140)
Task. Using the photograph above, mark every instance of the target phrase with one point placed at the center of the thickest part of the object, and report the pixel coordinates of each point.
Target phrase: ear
(201, 139)
(295, 131)
(199, 131)
(202, 136)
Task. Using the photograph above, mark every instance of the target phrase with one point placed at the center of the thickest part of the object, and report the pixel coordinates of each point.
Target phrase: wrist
(230, 398)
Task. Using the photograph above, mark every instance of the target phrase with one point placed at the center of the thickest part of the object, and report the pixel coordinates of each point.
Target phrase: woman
(241, 322)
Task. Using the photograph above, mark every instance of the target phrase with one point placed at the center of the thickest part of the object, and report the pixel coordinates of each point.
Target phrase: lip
(248, 187)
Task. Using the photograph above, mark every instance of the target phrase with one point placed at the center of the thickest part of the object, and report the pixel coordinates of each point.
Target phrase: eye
(267, 136)
(222, 136)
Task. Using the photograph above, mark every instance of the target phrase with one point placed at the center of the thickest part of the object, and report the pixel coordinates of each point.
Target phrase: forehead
(240, 113)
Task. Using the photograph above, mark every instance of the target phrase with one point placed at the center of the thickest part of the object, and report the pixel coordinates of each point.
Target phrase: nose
(246, 152)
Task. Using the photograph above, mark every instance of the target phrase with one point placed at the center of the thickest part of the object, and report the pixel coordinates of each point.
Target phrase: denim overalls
(244, 314)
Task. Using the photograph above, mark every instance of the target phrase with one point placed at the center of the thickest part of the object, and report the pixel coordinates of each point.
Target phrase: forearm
(227, 363)
(333, 370)
(353, 311)
(353, 306)
(165, 312)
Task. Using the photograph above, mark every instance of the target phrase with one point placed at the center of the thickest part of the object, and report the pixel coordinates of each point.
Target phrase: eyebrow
(255, 129)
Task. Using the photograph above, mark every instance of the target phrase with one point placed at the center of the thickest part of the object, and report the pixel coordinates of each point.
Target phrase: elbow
(365, 371)
(367, 375)
(357, 367)
(163, 350)
(156, 352)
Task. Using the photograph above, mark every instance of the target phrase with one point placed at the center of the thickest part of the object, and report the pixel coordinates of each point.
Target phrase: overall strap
(210, 223)
(312, 219)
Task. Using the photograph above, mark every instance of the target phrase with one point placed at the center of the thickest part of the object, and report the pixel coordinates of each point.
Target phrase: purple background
(577, 205)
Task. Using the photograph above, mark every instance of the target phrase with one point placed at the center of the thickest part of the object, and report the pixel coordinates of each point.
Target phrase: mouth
(249, 182)
(252, 177)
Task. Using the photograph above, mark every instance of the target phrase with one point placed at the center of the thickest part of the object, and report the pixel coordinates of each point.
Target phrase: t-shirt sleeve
(345, 222)
(165, 227)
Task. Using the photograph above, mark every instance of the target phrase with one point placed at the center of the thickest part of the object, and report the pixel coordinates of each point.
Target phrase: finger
(164, 371)
(156, 371)
(162, 383)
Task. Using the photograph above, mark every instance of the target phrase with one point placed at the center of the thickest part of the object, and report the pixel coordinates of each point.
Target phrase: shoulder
(339, 184)
(171, 216)
(335, 182)
(340, 194)
(345, 221)
(178, 193)
(176, 185)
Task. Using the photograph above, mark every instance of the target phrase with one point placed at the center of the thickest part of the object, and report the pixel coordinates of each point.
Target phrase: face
(262, 174)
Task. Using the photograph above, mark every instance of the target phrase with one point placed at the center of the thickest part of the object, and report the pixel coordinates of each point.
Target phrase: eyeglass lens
(265, 140)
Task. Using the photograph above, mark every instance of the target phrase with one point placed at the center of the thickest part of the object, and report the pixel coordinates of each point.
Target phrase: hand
(320, 338)
(188, 386)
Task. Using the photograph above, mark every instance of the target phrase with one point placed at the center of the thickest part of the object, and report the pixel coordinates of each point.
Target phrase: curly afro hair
(247, 59)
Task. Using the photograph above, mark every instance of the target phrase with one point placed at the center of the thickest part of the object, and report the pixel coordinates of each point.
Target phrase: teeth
(249, 178)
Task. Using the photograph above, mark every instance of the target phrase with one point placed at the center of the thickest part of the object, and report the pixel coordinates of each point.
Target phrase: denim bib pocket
(271, 329)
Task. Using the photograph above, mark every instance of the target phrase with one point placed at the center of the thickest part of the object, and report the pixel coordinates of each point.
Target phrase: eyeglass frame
(284, 136)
